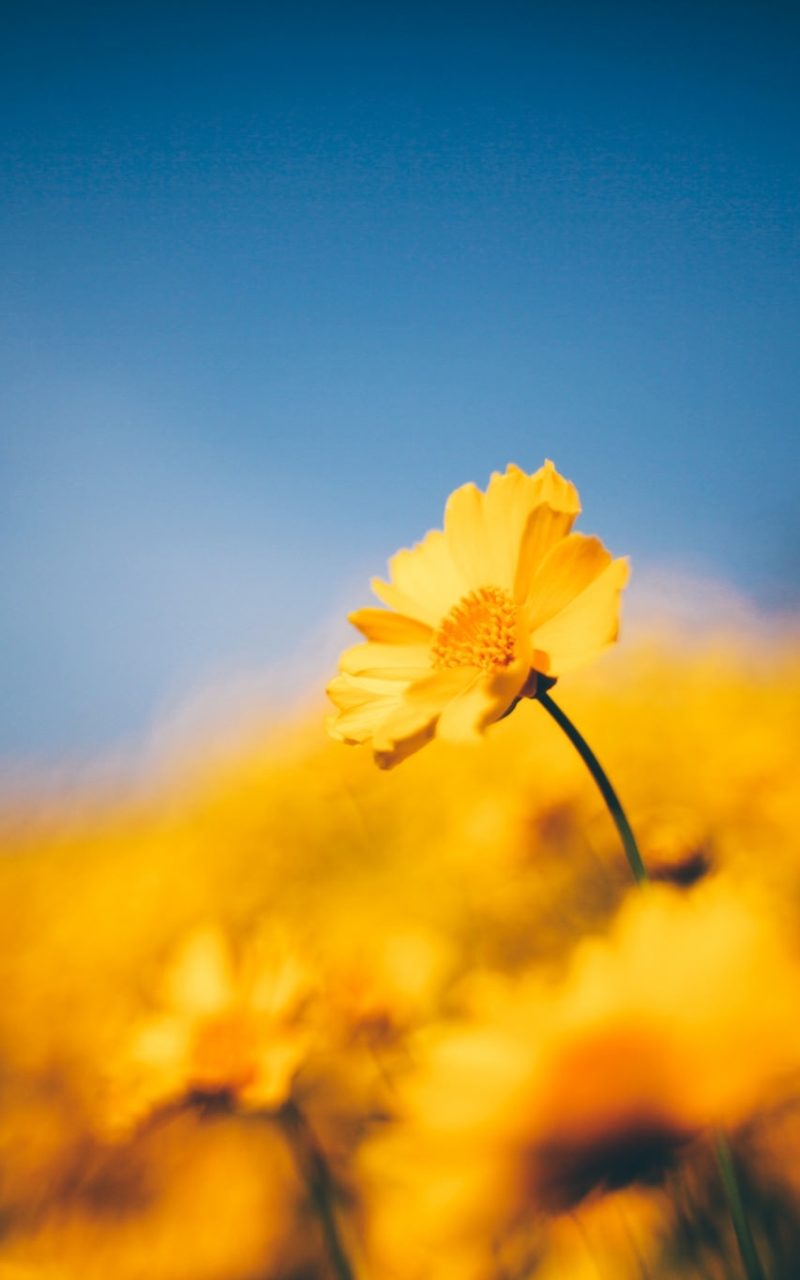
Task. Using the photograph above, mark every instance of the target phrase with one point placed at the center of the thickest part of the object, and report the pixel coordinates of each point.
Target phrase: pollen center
(477, 632)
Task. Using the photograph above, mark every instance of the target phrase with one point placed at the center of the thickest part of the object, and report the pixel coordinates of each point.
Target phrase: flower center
(225, 1052)
(478, 632)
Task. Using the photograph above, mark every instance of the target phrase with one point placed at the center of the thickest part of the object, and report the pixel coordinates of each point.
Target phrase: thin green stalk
(601, 778)
(725, 1165)
(744, 1236)
(314, 1170)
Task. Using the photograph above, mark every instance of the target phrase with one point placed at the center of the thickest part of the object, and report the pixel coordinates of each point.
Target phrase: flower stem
(601, 778)
(744, 1237)
(725, 1165)
(316, 1174)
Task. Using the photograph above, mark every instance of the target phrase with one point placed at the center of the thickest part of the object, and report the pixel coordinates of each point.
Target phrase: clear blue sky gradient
(276, 277)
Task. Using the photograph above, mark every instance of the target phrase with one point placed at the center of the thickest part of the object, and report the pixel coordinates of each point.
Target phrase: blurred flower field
(428, 1006)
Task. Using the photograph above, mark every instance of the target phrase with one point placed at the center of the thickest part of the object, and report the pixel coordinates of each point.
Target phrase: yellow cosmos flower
(506, 593)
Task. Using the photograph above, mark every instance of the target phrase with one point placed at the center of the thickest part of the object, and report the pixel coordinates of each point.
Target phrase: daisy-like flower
(477, 614)
(234, 1033)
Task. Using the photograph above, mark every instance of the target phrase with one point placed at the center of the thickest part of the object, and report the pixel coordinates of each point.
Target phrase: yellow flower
(234, 1034)
(504, 594)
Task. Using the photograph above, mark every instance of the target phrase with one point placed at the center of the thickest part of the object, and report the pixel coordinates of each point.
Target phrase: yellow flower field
(510, 1059)
(282, 1014)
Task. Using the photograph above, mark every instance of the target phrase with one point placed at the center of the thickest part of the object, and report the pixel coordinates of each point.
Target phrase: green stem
(744, 1236)
(314, 1170)
(725, 1165)
(601, 778)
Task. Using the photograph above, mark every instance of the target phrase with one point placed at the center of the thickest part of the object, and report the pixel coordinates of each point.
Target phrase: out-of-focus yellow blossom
(226, 1031)
(682, 1021)
(504, 594)
(377, 988)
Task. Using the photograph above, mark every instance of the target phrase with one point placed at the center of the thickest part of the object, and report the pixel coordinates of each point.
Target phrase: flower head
(236, 1034)
(504, 594)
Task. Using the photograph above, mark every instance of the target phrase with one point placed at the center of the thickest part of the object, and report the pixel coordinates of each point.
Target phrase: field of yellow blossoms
(289, 1016)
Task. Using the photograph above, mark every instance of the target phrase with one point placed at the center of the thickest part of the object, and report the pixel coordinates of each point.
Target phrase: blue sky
(277, 276)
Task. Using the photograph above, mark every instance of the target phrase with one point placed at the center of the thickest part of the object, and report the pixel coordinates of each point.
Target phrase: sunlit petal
(363, 705)
(465, 532)
(424, 581)
(567, 570)
(381, 625)
(387, 661)
(543, 530)
(586, 626)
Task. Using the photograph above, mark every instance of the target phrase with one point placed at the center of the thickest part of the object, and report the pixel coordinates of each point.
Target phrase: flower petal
(413, 723)
(507, 506)
(549, 520)
(467, 540)
(567, 570)
(391, 752)
(277, 1065)
(163, 1044)
(425, 583)
(201, 980)
(346, 691)
(589, 624)
(363, 705)
(485, 533)
(546, 527)
(553, 489)
(439, 687)
(390, 628)
(488, 698)
(387, 661)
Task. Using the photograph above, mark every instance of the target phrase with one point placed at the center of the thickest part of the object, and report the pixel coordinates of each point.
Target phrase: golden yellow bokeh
(437, 985)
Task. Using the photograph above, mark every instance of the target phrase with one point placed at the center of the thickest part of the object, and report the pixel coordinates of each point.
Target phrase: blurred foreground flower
(552, 1094)
(234, 1034)
(477, 613)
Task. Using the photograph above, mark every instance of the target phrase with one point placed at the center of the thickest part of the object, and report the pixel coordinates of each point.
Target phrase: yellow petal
(558, 493)
(507, 507)
(403, 733)
(554, 507)
(488, 698)
(346, 691)
(413, 722)
(363, 704)
(467, 539)
(387, 661)
(425, 583)
(163, 1044)
(486, 533)
(439, 687)
(390, 628)
(589, 624)
(545, 528)
(568, 569)
(201, 981)
(393, 752)
(277, 1066)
